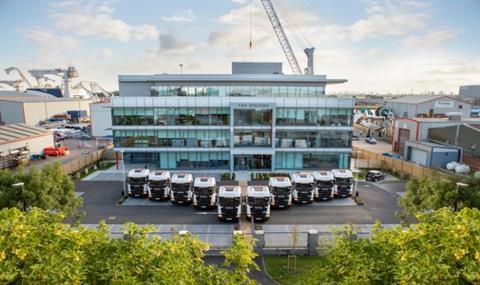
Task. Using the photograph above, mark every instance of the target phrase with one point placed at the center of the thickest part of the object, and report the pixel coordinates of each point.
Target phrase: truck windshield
(180, 187)
(158, 183)
(281, 190)
(343, 181)
(136, 180)
(258, 201)
(324, 183)
(304, 186)
(203, 190)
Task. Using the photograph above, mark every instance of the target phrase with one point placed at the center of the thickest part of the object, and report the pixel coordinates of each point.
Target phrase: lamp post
(459, 184)
(21, 185)
(356, 171)
(124, 192)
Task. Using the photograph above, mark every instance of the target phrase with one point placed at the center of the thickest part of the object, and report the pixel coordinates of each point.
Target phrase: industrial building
(465, 136)
(422, 106)
(101, 119)
(470, 93)
(251, 120)
(431, 154)
(19, 141)
(417, 129)
(19, 107)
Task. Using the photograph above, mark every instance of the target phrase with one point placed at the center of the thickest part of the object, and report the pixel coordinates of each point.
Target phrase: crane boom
(24, 78)
(282, 37)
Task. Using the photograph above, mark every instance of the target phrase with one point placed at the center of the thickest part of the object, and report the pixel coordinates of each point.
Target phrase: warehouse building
(417, 129)
(421, 106)
(431, 154)
(253, 119)
(19, 141)
(18, 107)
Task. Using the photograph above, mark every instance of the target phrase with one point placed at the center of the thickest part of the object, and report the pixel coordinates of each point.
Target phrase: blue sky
(382, 46)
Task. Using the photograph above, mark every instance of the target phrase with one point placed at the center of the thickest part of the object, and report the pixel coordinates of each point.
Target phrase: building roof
(416, 99)
(432, 144)
(466, 120)
(16, 132)
(22, 97)
(265, 78)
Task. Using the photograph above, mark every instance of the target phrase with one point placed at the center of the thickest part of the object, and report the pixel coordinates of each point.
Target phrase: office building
(240, 121)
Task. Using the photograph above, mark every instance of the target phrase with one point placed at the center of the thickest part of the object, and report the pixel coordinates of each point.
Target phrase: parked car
(37, 156)
(371, 140)
(375, 175)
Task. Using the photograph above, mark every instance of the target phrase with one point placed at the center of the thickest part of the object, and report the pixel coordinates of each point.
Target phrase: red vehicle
(56, 151)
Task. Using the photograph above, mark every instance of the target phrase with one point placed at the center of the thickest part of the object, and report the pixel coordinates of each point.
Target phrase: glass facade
(317, 139)
(252, 139)
(170, 116)
(252, 162)
(253, 117)
(238, 90)
(181, 160)
(309, 160)
(171, 138)
(314, 116)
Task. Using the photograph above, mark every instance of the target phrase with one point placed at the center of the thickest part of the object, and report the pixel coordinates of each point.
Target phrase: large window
(248, 117)
(238, 90)
(252, 139)
(319, 139)
(171, 138)
(317, 161)
(252, 162)
(314, 117)
(170, 116)
(183, 160)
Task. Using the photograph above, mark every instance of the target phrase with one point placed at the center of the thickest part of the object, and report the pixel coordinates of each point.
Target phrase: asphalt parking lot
(101, 203)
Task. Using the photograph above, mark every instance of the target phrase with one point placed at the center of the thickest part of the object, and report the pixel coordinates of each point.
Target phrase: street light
(356, 171)
(124, 192)
(21, 185)
(459, 184)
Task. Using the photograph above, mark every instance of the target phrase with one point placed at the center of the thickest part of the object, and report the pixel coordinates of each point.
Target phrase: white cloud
(173, 43)
(186, 16)
(432, 39)
(89, 19)
(241, 2)
(106, 52)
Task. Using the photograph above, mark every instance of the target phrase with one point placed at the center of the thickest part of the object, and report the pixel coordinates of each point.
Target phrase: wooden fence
(88, 160)
(368, 159)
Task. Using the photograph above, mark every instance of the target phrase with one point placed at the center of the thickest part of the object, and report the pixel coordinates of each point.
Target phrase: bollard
(312, 242)
(259, 241)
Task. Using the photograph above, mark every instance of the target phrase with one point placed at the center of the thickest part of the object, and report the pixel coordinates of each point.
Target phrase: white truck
(181, 188)
(229, 203)
(343, 182)
(258, 203)
(324, 185)
(303, 187)
(137, 182)
(204, 192)
(159, 185)
(280, 192)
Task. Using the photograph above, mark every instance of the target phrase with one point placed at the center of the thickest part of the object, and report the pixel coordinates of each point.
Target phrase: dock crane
(66, 74)
(91, 88)
(287, 48)
(24, 78)
(17, 84)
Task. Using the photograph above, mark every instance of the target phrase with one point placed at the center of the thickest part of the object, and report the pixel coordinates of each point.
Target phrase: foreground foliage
(35, 248)
(443, 248)
(425, 194)
(48, 189)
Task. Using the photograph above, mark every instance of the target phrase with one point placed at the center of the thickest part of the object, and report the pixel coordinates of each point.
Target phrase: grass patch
(277, 267)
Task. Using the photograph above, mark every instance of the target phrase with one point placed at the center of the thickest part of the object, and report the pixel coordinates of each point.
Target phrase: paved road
(101, 197)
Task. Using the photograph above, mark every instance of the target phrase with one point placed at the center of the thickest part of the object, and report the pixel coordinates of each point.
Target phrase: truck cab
(137, 182)
(229, 205)
(303, 187)
(280, 192)
(159, 185)
(181, 188)
(204, 192)
(343, 182)
(324, 185)
(258, 203)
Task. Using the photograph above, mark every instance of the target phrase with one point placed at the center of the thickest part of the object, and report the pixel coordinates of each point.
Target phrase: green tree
(426, 194)
(36, 248)
(49, 189)
(442, 248)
